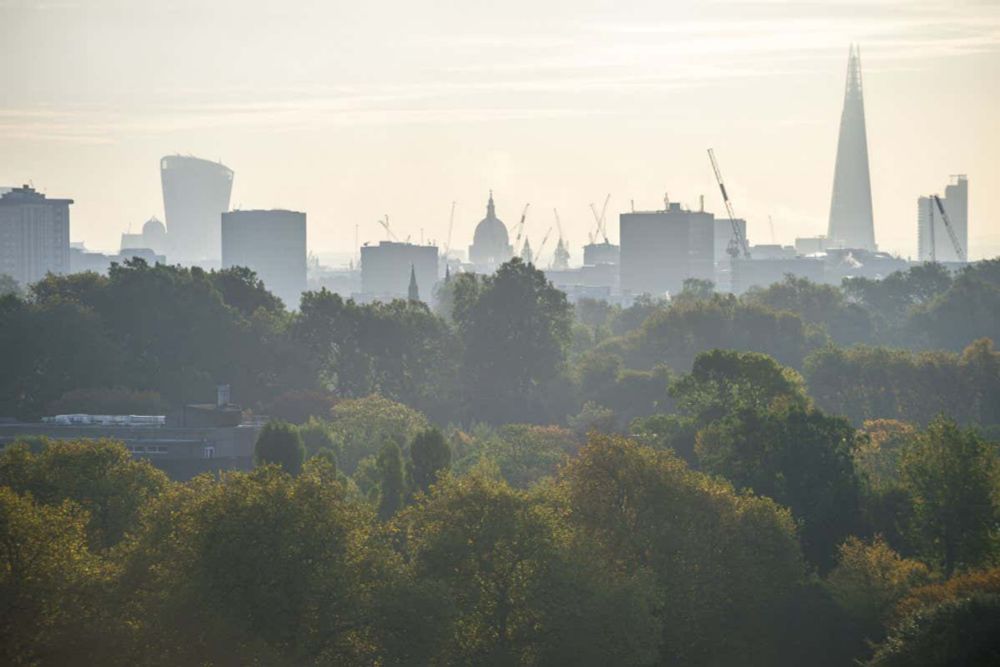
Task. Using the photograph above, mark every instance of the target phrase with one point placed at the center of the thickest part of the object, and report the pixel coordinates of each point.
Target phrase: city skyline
(355, 122)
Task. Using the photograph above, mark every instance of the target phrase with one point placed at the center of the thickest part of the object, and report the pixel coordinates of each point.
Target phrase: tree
(723, 382)
(362, 425)
(243, 290)
(9, 286)
(429, 456)
(968, 310)
(391, 483)
(869, 580)
(257, 567)
(49, 583)
(956, 632)
(823, 305)
(100, 476)
(280, 443)
(725, 565)
(524, 591)
(676, 335)
(951, 475)
(797, 456)
(515, 330)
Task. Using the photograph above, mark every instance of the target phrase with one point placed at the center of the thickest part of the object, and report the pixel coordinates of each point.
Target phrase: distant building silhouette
(660, 249)
(384, 274)
(595, 254)
(413, 292)
(152, 237)
(933, 241)
(34, 235)
(490, 244)
(195, 193)
(273, 244)
(851, 221)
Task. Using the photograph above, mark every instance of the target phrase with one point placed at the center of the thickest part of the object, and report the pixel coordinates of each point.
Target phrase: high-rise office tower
(34, 235)
(934, 243)
(660, 249)
(195, 193)
(272, 244)
(851, 222)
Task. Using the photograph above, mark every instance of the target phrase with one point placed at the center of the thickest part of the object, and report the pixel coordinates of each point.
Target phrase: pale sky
(348, 111)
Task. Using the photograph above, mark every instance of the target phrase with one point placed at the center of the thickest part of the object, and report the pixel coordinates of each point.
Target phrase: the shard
(851, 222)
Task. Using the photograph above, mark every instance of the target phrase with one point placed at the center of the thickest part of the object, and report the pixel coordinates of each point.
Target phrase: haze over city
(348, 111)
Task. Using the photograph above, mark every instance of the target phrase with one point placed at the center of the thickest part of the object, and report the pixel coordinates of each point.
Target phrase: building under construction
(940, 239)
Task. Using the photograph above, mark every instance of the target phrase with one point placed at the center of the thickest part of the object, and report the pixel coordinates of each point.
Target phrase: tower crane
(451, 225)
(738, 244)
(601, 232)
(541, 246)
(519, 229)
(959, 251)
(385, 224)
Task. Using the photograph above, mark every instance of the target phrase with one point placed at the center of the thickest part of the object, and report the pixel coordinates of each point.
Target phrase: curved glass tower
(195, 194)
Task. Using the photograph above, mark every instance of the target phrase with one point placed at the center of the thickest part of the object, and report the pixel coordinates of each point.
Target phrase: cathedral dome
(490, 243)
(491, 233)
(153, 228)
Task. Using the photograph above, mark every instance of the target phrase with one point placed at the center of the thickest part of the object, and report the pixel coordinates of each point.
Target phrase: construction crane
(451, 225)
(738, 244)
(541, 247)
(385, 224)
(959, 251)
(601, 232)
(519, 227)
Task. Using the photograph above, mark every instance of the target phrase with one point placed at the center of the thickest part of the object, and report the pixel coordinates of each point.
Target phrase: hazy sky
(352, 110)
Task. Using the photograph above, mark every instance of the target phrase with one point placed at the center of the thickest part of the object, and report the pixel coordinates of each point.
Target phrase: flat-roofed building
(34, 235)
(386, 268)
(273, 245)
(661, 249)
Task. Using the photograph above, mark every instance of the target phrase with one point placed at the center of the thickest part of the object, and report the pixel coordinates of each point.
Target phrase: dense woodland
(805, 474)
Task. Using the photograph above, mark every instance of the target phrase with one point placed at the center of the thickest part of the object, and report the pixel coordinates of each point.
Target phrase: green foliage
(515, 330)
(281, 444)
(400, 349)
(726, 566)
(100, 476)
(676, 335)
(300, 406)
(48, 583)
(951, 475)
(429, 457)
(258, 568)
(391, 483)
(957, 632)
(722, 382)
(823, 305)
(318, 438)
(523, 453)
(879, 383)
(362, 425)
(799, 457)
(869, 580)
(9, 286)
(524, 590)
(243, 290)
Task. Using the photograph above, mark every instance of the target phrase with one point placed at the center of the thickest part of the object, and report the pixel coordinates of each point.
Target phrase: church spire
(490, 210)
(413, 293)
